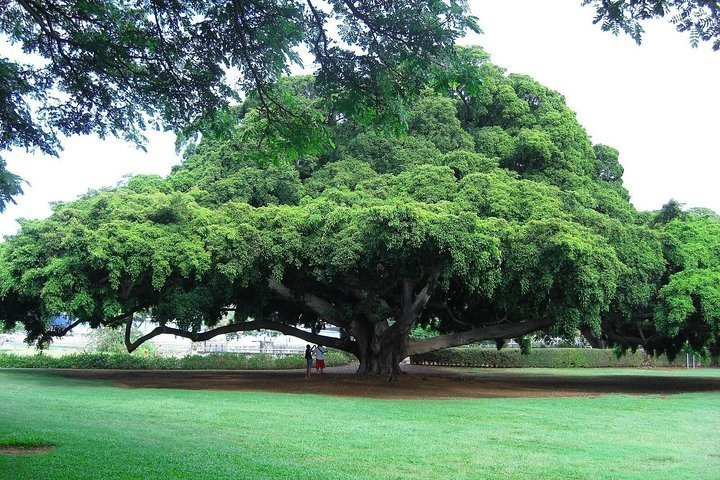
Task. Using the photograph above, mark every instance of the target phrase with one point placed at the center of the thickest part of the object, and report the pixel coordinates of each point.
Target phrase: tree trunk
(382, 358)
(594, 340)
(380, 350)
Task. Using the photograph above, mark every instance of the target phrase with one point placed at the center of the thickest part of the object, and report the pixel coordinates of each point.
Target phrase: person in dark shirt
(308, 360)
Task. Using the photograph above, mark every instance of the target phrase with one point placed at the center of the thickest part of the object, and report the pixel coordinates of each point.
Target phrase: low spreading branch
(312, 303)
(58, 332)
(628, 340)
(444, 309)
(232, 328)
(505, 330)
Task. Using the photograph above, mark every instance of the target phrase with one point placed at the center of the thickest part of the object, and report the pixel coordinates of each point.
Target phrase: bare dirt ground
(23, 450)
(417, 382)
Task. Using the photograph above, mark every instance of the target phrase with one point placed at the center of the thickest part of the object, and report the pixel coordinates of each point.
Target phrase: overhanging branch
(237, 327)
(627, 340)
(505, 330)
(308, 301)
(48, 336)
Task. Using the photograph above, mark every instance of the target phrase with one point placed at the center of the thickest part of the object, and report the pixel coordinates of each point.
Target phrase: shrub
(544, 358)
(214, 361)
(334, 358)
(260, 361)
(126, 361)
(290, 362)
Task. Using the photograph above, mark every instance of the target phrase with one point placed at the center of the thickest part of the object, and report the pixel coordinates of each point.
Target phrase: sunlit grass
(102, 431)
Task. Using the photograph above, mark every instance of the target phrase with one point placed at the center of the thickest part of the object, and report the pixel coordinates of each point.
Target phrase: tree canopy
(493, 217)
(117, 66)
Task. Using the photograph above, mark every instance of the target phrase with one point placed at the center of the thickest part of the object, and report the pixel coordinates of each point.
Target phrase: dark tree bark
(594, 340)
(379, 349)
(382, 344)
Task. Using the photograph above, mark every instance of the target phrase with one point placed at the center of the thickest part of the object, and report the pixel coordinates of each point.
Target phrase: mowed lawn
(102, 431)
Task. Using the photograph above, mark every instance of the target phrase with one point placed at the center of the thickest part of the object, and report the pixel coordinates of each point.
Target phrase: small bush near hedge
(126, 361)
(542, 358)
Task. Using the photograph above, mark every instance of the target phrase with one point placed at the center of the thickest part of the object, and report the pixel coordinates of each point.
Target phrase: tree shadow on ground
(418, 382)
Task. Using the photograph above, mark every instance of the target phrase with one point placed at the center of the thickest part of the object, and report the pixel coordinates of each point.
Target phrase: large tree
(494, 217)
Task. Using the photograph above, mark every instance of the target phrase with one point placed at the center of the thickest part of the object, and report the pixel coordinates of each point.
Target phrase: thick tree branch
(424, 296)
(505, 330)
(627, 339)
(55, 332)
(642, 334)
(317, 305)
(60, 332)
(320, 25)
(116, 320)
(237, 327)
(373, 26)
(46, 27)
(593, 339)
(412, 308)
(443, 308)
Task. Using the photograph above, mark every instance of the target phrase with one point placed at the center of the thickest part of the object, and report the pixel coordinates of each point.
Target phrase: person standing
(319, 358)
(308, 360)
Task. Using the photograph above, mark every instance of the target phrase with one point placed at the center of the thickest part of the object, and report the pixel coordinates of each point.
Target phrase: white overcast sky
(657, 103)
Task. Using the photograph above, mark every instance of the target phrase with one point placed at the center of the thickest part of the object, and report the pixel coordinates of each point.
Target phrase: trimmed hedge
(542, 358)
(460, 357)
(126, 361)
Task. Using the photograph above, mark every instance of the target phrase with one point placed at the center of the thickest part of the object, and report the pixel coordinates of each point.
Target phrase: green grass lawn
(101, 431)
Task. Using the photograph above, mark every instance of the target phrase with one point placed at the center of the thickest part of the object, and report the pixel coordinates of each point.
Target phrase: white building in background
(262, 341)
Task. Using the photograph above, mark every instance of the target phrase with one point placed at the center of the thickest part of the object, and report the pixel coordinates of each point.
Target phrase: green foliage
(390, 154)
(421, 332)
(435, 119)
(540, 358)
(152, 361)
(10, 186)
(607, 166)
(494, 142)
(534, 150)
(559, 260)
(670, 211)
(701, 19)
(115, 67)
(688, 302)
